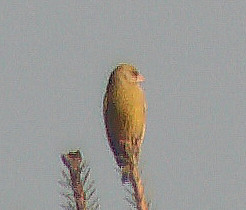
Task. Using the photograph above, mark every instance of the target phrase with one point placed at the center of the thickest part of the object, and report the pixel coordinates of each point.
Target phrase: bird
(124, 110)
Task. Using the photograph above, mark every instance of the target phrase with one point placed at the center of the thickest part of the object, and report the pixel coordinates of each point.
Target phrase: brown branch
(138, 187)
(73, 161)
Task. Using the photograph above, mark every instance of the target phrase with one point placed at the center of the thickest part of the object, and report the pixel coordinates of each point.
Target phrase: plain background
(55, 59)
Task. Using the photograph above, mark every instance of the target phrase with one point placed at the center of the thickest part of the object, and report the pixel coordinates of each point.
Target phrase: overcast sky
(55, 59)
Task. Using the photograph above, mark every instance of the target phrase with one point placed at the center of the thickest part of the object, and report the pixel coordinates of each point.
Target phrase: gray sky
(55, 59)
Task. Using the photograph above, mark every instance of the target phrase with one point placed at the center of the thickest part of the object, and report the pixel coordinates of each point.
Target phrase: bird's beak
(140, 78)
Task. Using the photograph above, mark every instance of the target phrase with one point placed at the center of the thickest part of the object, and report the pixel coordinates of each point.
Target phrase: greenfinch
(124, 109)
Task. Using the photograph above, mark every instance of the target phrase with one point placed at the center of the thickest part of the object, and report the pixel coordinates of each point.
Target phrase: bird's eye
(135, 73)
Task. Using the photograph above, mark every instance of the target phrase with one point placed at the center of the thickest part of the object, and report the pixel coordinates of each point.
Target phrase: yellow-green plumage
(125, 115)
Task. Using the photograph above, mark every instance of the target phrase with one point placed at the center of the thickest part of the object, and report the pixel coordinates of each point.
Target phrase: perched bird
(124, 109)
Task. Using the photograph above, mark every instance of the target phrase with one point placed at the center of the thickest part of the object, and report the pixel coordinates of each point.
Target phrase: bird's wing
(105, 104)
(144, 125)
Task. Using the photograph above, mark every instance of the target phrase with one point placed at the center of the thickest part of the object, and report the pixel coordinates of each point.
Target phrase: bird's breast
(128, 111)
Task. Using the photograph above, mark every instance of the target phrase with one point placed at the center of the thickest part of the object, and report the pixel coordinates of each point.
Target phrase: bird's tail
(127, 169)
(127, 158)
(125, 174)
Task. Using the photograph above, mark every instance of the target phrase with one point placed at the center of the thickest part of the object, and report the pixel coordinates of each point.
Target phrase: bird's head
(127, 73)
